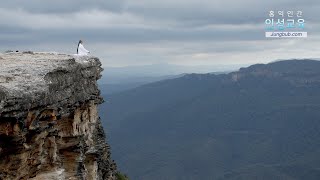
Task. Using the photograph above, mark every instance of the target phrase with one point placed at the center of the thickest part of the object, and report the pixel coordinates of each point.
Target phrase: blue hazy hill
(261, 122)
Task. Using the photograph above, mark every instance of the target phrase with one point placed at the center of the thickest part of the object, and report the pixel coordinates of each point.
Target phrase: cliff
(49, 123)
(296, 72)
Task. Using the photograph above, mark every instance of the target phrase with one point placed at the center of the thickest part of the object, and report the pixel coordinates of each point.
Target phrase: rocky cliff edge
(49, 123)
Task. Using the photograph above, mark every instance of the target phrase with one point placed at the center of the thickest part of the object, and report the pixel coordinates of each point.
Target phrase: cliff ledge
(49, 123)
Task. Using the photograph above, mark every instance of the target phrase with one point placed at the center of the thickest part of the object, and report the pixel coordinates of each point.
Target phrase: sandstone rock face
(49, 123)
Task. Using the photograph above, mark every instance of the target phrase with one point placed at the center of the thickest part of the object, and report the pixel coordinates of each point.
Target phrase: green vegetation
(121, 176)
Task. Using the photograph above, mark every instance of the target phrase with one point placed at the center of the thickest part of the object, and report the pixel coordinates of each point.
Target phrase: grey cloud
(182, 29)
(181, 12)
(136, 34)
(63, 6)
(195, 13)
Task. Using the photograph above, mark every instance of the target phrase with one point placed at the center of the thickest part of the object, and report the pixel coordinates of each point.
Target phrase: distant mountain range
(261, 122)
(114, 75)
(125, 83)
(117, 79)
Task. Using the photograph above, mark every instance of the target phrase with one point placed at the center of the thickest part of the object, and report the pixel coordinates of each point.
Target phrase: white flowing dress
(82, 51)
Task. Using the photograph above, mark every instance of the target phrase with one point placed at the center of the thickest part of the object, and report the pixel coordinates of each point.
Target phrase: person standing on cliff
(81, 50)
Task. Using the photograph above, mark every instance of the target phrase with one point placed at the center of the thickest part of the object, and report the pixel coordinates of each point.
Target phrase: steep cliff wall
(49, 123)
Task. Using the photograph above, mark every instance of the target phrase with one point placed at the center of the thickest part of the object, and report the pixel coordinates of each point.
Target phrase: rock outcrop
(49, 123)
(303, 72)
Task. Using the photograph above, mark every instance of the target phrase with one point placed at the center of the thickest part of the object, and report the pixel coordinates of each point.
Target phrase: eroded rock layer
(49, 123)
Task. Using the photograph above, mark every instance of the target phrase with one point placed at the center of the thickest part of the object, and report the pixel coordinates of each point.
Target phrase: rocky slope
(49, 123)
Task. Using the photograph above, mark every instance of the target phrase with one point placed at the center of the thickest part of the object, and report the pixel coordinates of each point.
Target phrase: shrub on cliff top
(121, 176)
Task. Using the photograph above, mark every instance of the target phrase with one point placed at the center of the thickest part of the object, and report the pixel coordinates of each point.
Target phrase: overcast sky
(138, 32)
